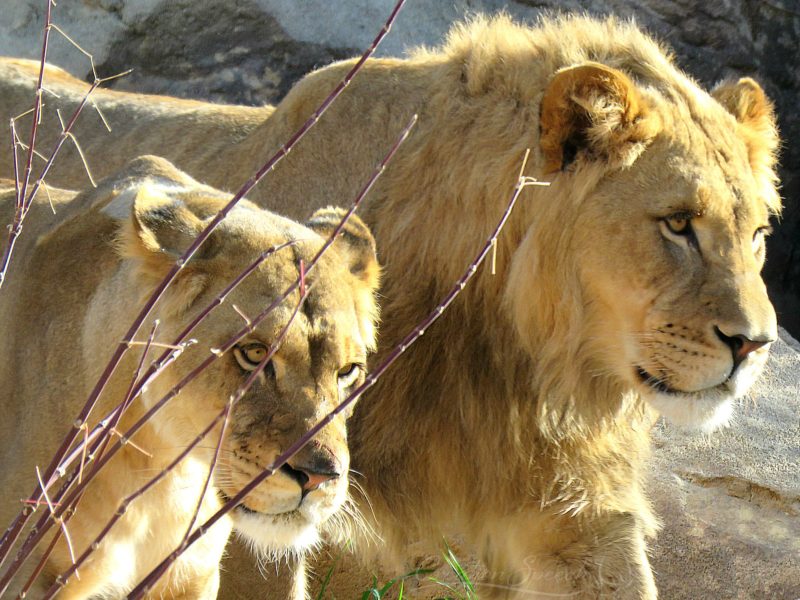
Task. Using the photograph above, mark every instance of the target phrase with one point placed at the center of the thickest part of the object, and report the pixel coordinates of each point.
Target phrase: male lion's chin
(272, 537)
(703, 411)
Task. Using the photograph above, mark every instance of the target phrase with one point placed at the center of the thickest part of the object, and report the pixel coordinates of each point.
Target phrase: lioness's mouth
(241, 506)
(298, 476)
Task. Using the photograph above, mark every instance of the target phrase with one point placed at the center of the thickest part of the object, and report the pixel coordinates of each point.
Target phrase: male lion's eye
(249, 356)
(679, 224)
(349, 375)
(759, 235)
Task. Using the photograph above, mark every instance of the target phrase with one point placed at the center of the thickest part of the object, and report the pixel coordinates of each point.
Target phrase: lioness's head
(652, 233)
(319, 360)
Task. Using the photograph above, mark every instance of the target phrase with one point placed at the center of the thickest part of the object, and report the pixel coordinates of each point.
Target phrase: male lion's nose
(741, 345)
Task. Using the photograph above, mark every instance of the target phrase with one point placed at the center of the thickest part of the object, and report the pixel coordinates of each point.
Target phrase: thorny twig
(98, 436)
(11, 535)
(43, 525)
(25, 199)
(150, 580)
(174, 350)
(222, 417)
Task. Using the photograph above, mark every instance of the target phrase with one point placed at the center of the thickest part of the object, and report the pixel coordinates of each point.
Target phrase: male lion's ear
(748, 103)
(158, 230)
(355, 240)
(594, 108)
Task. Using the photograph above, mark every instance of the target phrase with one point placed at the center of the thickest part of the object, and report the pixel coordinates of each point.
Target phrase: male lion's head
(321, 343)
(649, 243)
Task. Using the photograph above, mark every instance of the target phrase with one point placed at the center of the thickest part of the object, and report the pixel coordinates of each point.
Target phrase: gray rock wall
(251, 51)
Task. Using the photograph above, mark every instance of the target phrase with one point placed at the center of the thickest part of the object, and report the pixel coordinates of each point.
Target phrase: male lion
(629, 287)
(76, 282)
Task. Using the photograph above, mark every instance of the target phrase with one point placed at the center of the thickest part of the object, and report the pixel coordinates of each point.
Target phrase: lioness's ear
(158, 230)
(748, 103)
(355, 240)
(594, 108)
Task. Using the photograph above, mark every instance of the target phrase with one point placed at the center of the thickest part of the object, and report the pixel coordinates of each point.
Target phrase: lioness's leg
(242, 577)
(600, 557)
(201, 588)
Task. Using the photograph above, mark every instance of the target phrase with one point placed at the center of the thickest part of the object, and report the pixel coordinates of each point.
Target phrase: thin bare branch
(49, 197)
(77, 46)
(27, 112)
(71, 136)
(222, 417)
(51, 92)
(27, 201)
(36, 153)
(102, 80)
(13, 533)
(174, 350)
(247, 319)
(58, 520)
(37, 108)
(102, 116)
(144, 586)
(43, 526)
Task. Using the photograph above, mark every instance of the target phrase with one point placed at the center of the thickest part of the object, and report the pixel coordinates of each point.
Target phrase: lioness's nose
(741, 345)
(315, 468)
(314, 480)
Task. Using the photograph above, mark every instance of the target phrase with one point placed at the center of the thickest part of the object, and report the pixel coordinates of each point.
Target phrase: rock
(730, 501)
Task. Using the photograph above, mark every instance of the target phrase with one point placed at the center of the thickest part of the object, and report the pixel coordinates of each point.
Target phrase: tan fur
(520, 420)
(69, 299)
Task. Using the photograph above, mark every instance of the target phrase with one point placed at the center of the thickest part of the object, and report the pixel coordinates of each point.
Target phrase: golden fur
(68, 300)
(630, 284)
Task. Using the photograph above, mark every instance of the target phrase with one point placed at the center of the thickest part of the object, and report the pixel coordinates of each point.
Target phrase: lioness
(78, 279)
(629, 287)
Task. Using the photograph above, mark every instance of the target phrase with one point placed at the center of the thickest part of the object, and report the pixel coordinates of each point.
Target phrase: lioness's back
(188, 132)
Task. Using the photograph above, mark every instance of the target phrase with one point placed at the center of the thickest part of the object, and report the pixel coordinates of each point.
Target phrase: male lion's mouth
(659, 385)
(655, 383)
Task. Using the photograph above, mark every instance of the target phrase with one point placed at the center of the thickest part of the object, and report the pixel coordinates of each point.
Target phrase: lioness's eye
(249, 356)
(349, 374)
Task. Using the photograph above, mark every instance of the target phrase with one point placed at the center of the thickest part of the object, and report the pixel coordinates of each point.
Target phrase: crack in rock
(736, 487)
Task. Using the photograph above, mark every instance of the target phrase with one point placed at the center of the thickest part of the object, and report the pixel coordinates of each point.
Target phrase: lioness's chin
(275, 536)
